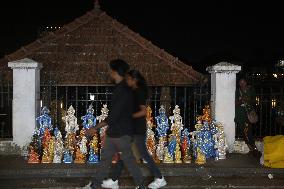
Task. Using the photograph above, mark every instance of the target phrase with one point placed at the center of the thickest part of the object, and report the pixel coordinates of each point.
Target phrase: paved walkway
(237, 171)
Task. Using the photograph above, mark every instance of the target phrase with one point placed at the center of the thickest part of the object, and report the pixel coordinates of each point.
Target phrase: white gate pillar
(223, 88)
(26, 99)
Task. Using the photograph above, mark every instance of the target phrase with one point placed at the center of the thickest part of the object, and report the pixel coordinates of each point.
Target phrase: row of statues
(175, 144)
(48, 145)
(167, 140)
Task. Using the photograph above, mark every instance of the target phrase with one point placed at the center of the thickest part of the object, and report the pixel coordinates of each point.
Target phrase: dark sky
(198, 32)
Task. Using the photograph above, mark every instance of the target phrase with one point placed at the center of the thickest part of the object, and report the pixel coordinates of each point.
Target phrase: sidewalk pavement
(237, 171)
(235, 165)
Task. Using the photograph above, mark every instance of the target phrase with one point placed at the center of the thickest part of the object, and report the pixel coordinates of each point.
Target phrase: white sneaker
(88, 186)
(158, 183)
(109, 183)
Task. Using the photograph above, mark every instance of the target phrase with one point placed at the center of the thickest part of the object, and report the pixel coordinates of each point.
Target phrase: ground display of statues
(167, 139)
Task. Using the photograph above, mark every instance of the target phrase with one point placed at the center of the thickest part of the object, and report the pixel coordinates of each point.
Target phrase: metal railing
(190, 99)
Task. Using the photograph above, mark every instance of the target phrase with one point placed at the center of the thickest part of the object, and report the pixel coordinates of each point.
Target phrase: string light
(273, 103)
(257, 100)
(275, 75)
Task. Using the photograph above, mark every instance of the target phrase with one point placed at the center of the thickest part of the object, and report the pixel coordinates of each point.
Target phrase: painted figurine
(206, 115)
(100, 118)
(89, 120)
(200, 157)
(71, 125)
(70, 142)
(81, 149)
(178, 154)
(36, 143)
(68, 158)
(168, 158)
(94, 150)
(150, 135)
(220, 142)
(46, 157)
(177, 125)
(93, 157)
(79, 156)
(151, 142)
(160, 149)
(44, 121)
(58, 147)
(46, 138)
(162, 122)
(185, 146)
(33, 156)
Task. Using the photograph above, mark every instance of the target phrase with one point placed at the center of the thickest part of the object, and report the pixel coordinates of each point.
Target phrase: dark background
(199, 32)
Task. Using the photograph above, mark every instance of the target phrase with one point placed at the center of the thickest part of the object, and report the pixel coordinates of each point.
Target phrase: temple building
(75, 59)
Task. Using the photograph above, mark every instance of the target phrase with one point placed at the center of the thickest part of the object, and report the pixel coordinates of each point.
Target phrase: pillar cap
(224, 67)
(25, 63)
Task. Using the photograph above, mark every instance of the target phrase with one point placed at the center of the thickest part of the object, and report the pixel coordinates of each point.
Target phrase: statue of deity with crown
(71, 125)
(89, 120)
(162, 122)
(44, 121)
(162, 130)
(177, 125)
(58, 146)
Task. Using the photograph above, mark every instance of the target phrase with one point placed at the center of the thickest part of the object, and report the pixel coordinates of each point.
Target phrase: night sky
(199, 32)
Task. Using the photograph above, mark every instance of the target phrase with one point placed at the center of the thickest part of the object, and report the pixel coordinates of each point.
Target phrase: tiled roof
(79, 53)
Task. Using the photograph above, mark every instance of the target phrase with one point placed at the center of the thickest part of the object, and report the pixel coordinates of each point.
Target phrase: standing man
(245, 102)
(119, 132)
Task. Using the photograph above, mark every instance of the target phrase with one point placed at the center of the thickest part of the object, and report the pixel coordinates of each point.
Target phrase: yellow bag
(274, 151)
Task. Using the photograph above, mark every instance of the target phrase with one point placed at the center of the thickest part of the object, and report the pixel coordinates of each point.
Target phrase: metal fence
(269, 106)
(6, 94)
(190, 99)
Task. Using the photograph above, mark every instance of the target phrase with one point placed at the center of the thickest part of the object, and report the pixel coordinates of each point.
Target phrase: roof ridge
(136, 37)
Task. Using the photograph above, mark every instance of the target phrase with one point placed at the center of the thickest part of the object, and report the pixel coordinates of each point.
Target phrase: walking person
(119, 132)
(137, 83)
